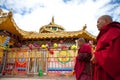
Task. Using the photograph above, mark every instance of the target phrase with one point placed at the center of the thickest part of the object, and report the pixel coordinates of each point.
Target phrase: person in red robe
(82, 67)
(107, 55)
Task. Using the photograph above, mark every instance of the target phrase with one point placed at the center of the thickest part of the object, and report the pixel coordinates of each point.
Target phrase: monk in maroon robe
(107, 54)
(82, 65)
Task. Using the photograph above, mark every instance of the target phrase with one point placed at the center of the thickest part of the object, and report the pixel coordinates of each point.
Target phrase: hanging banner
(6, 41)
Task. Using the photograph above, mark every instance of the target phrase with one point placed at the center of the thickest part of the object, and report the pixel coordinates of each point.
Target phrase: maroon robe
(79, 66)
(108, 53)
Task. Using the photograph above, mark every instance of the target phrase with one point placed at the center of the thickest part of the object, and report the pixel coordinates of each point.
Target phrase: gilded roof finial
(10, 14)
(84, 27)
(53, 19)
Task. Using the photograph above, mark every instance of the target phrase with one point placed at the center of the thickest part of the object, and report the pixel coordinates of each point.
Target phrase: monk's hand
(93, 59)
(73, 72)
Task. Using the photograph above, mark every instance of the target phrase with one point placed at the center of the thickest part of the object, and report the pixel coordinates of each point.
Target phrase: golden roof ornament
(10, 14)
(84, 27)
(53, 19)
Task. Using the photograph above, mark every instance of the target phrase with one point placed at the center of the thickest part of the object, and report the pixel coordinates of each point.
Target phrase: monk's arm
(84, 57)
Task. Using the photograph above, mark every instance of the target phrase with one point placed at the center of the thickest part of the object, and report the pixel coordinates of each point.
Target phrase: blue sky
(30, 15)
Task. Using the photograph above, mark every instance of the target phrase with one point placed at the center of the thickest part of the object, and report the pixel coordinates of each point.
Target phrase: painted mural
(61, 62)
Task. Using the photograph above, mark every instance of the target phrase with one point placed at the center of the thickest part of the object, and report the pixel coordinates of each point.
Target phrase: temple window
(54, 28)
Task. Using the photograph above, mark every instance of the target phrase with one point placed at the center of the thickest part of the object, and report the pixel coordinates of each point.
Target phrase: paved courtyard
(37, 78)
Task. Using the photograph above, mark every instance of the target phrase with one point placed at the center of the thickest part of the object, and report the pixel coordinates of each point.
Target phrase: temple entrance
(33, 66)
(37, 61)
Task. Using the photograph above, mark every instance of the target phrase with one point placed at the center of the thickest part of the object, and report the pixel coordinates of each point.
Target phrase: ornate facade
(51, 50)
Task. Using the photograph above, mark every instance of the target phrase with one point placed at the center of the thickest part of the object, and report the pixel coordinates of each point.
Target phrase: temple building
(51, 50)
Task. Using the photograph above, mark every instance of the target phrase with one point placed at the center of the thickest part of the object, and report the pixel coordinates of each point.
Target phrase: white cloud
(71, 15)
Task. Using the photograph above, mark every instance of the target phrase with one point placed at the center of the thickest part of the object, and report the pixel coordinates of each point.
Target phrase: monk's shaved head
(103, 21)
(107, 18)
(81, 41)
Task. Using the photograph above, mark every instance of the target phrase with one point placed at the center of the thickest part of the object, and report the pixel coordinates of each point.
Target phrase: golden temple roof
(74, 34)
(7, 23)
(47, 28)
